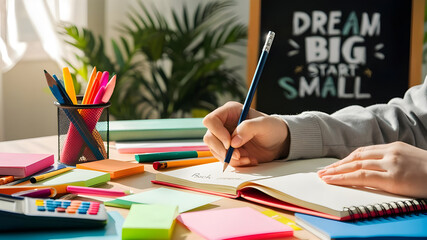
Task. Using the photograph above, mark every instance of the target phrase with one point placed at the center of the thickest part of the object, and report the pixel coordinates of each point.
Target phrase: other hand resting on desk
(396, 167)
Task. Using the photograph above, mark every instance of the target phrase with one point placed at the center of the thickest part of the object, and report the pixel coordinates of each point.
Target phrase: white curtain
(27, 23)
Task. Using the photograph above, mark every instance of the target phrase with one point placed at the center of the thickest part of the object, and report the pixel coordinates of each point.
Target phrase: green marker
(153, 157)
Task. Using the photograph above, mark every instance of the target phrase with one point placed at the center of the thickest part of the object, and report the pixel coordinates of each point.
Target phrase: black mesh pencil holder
(79, 132)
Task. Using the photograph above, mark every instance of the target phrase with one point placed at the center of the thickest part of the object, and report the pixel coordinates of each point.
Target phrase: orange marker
(89, 86)
(95, 88)
(6, 179)
(182, 163)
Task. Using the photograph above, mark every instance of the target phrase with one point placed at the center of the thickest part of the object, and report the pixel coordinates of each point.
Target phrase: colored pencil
(182, 163)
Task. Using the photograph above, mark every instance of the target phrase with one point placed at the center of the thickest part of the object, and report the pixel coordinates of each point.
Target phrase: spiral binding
(386, 209)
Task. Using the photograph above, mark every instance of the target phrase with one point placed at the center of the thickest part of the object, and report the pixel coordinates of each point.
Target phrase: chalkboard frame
(416, 42)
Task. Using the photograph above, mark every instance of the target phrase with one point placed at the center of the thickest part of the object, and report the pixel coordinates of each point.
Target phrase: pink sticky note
(234, 223)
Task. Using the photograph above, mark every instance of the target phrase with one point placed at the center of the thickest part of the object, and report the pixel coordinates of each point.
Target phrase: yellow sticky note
(279, 217)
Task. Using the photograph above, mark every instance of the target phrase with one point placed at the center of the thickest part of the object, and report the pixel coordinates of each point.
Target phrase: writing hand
(397, 168)
(260, 138)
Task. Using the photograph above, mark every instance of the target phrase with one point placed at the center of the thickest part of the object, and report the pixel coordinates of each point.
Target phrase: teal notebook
(413, 226)
(151, 129)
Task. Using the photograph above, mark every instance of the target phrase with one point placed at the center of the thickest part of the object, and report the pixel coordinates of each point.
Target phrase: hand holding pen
(256, 139)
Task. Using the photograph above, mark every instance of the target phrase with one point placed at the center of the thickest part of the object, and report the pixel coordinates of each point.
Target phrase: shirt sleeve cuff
(305, 136)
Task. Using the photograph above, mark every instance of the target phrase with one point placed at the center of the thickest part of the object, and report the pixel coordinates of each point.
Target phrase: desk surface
(136, 183)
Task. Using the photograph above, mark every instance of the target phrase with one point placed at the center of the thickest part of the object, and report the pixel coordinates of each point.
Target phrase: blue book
(411, 226)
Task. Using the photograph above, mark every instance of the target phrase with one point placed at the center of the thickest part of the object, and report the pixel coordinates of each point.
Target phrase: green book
(153, 129)
(151, 221)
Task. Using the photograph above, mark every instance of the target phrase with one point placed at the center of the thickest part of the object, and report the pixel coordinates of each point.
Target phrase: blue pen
(74, 117)
(252, 89)
(66, 98)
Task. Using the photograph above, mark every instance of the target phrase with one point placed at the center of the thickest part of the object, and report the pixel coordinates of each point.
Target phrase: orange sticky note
(116, 168)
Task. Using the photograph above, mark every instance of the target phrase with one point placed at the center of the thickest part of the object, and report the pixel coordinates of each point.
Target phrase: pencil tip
(225, 167)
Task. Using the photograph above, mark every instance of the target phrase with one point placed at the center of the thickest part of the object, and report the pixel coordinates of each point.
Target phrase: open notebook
(291, 185)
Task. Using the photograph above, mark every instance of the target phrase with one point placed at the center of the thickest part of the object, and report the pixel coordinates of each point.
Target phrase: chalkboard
(328, 54)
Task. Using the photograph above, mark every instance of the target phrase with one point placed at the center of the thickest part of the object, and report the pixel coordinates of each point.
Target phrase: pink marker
(96, 191)
(104, 79)
(109, 89)
(99, 95)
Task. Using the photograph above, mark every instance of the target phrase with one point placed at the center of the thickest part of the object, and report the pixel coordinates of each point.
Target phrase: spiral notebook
(291, 185)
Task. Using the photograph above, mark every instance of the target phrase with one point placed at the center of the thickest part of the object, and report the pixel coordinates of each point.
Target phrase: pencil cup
(78, 137)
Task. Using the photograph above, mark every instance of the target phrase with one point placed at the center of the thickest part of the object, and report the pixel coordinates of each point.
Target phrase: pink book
(24, 164)
(234, 223)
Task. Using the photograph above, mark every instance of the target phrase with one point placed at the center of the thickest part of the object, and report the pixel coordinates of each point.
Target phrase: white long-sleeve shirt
(316, 134)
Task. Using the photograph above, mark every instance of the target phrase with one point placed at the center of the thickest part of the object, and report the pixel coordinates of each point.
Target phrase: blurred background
(34, 37)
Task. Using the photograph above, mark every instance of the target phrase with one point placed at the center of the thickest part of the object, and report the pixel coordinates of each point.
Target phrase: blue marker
(252, 89)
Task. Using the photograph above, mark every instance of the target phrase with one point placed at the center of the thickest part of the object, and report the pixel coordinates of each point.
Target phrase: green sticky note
(150, 221)
(185, 200)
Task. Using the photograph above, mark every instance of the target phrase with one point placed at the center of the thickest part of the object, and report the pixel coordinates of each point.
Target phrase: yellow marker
(279, 217)
(49, 174)
(69, 85)
(89, 86)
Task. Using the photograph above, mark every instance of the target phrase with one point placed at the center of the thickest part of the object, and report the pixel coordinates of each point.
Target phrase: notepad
(234, 223)
(398, 227)
(115, 168)
(24, 164)
(291, 185)
(153, 221)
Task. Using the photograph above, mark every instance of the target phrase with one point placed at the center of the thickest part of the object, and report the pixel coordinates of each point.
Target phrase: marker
(37, 193)
(69, 85)
(6, 179)
(152, 157)
(182, 163)
(252, 89)
(49, 174)
(96, 191)
(89, 86)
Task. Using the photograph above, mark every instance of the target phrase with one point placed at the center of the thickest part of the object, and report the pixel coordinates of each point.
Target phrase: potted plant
(166, 69)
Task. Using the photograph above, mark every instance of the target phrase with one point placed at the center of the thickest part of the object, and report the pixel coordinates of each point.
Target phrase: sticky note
(150, 221)
(234, 223)
(279, 217)
(184, 200)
